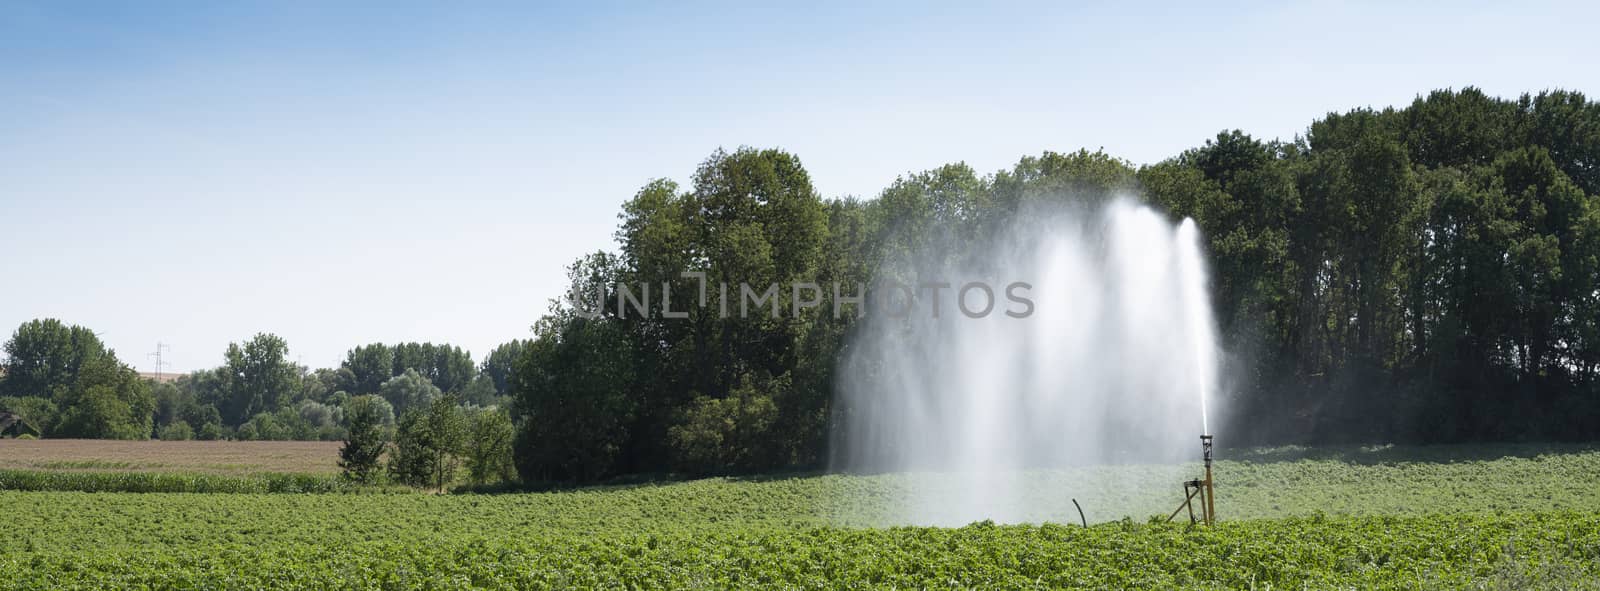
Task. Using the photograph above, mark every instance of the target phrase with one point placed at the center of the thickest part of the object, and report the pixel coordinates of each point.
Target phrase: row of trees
(65, 383)
(428, 445)
(453, 424)
(1423, 274)
(1429, 273)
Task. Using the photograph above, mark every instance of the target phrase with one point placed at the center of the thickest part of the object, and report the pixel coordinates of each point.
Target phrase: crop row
(169, 482)
(1355, 552)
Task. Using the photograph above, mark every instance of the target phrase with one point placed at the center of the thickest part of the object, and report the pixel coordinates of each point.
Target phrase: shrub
(176, 431)
(38, 412)
(489, 440)
(428, 444)
(409, 390)
(725, 433)
(365, 438)
(318, 415)
(270, 427)
(210, 432)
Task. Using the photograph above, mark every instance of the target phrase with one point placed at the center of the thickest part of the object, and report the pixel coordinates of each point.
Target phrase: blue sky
(195, 173)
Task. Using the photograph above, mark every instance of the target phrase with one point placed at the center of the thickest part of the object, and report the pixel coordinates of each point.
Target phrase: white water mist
(1115, 366)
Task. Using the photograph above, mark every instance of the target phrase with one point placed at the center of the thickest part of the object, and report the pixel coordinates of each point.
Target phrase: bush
(38, 412)
(176, 431)
(102, 412)
(365, 439)
(318, 415)
(280, 426)
(574, 402)
(330, 433)
(409, 390)
(428, 444)
(210, 432)
(728, 433)
(489, 439)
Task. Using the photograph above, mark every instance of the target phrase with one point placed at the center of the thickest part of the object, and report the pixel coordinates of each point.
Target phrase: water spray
(1123, 335)
(1200, 490)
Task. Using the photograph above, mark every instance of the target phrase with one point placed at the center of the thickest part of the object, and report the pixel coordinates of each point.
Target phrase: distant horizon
(344, 175)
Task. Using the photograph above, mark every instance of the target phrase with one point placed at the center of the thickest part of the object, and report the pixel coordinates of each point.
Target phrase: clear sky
(197, 172)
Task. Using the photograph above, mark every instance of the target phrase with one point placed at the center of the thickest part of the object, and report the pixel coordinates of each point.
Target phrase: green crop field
(1420, 518)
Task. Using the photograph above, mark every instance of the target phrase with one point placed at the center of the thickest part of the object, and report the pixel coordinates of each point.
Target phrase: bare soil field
(232, 458)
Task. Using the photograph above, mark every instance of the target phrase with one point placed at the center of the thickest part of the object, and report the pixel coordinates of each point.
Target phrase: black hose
(1080, 513)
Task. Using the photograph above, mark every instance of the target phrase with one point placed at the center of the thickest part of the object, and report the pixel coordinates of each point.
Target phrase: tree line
(1421, 274)
(410, 412)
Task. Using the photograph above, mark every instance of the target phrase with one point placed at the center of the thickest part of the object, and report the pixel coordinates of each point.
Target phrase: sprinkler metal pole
(1210, 500)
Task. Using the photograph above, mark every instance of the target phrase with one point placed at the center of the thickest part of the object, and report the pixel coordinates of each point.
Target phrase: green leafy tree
(409, 390)
(481, 392)
(366, 437)
(489, 446)
(170, 402)
(99, 412)
(317, 385)
(499, 364)
(323, 422)
(207, 387)
(46, 356)
(729, 433)
(448, 367)
(572, 395)
(95, 394)
(451, 368)
(366, 368)
(410, 459)
(211, 432)
(429, 443)
(208, 419)
(259, 378)
(266, 426)
(40, 413)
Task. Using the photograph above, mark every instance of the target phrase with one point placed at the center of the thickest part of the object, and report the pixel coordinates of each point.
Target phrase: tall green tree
(500, 363)
(488, 449)
(573, 390)
(429, 444)
(43, 356)
(95, 394)
(259, 378)
(369, 367)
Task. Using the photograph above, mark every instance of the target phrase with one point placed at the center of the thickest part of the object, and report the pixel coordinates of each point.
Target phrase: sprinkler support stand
(1211, 494)
(1199, 488)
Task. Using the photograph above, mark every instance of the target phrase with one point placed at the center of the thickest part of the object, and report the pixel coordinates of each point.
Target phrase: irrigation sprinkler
(1199, 490)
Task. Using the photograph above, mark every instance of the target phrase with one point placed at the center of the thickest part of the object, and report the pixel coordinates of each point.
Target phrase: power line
(157, 355)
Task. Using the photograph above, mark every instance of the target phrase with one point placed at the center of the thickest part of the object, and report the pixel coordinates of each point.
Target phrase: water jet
(1118, 360)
